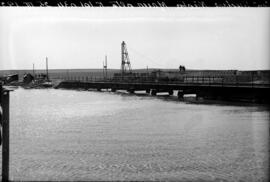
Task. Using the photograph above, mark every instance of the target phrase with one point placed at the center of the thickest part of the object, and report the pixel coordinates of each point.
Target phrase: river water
(86, 135)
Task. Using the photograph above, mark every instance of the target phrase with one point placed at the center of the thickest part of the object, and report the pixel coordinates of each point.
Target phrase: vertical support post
(252, 79)
(5, 127)
(103, 70)
(122, 59)
(106, 67)
(34, 71)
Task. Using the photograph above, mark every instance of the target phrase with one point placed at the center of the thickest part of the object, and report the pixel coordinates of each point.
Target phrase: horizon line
(197, 69)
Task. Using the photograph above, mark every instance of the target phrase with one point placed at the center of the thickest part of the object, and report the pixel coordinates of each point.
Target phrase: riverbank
(259, 76)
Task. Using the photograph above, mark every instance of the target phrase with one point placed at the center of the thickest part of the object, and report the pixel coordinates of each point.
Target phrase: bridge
(231, 87)
(205, 87)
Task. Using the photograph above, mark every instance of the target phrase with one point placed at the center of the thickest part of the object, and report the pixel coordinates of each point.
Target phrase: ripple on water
(103, 136)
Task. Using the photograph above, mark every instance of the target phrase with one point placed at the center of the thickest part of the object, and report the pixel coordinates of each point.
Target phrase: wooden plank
(5, 127)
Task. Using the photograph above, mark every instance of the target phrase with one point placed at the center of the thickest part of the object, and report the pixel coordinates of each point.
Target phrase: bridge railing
(187, 80)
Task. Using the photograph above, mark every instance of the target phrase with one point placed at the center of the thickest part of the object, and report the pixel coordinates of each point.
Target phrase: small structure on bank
(10, 78)
(41, 76)
(28, 78)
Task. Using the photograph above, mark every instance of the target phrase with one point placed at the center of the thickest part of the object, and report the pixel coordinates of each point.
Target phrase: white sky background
(199, 38)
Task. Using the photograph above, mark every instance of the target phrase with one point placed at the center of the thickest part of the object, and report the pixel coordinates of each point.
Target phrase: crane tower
(125, 63)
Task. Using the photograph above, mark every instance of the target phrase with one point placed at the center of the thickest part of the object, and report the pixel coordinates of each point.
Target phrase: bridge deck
(177, 84)
(239, 91)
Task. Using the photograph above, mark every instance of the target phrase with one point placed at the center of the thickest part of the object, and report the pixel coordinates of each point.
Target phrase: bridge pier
(153, 92)
(180, 94)
(170, 92)
(131, 91)
(199, 97)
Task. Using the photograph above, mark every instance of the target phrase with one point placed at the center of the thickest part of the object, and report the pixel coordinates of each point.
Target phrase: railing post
(252, 79)
(5, 135)
(222, 81)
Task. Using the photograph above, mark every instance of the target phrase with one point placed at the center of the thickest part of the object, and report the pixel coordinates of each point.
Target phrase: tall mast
(123, 57)
(103, 67)
(33, 69)
(47, 69)
(106, 66)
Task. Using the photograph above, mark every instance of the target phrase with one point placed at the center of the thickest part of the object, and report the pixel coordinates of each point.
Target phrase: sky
(198, 38)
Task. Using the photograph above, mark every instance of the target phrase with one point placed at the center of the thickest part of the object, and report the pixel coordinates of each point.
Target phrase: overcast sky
(199, 38)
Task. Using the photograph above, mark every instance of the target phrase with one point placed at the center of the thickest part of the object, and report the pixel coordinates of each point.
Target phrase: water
(83, 135)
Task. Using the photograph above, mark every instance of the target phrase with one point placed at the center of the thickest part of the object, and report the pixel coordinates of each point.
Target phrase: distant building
(10, 78)
(27, 78)
(41, 76)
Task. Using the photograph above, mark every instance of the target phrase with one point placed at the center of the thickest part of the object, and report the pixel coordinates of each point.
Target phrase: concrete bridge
(208, 89)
